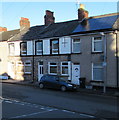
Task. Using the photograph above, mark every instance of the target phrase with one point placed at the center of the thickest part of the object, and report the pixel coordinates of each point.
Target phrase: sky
(64, 10)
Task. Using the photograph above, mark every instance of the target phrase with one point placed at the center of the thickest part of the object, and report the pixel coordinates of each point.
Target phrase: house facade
(83, 48)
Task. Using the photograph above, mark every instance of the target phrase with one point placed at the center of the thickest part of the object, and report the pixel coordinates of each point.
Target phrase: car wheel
(63, 88)
(41, 85)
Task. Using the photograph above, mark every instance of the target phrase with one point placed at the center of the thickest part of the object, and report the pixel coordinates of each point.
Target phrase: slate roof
(103, 23)
(92, 24)
(53, 30)
(8, 34)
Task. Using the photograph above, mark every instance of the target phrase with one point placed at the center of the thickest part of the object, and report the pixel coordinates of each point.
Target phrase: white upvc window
(97, 71)
(39, 47)
(65, 68)
(97, 44)
(52, 68)
(11, 49)
(76, 47)
(55, 46)
(23, 48)
(24, 67)
(27, 67)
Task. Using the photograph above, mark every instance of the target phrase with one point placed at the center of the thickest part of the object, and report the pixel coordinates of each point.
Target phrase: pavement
(94, 91)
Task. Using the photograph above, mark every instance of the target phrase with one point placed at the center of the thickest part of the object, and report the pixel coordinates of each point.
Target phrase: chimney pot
(24, 23)
(49, 18)
(82, 13)
(3, 29)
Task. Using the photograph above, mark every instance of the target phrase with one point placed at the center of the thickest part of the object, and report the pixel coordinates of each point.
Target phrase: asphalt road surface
(18, 109)
(20, 101)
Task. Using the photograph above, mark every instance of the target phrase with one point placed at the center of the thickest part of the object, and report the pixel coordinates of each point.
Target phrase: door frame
(39, 65)
(79, 71)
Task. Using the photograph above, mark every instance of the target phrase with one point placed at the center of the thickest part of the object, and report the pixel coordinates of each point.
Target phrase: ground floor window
(24, 67)
(97, 71)
(64, 68)
(27, 67)
(52, 68)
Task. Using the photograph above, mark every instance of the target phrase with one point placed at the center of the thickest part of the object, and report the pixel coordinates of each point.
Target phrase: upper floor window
(23, 48)
(76, 45)
(97, 44)
(11, 48)
(39, 48)
(55, 46)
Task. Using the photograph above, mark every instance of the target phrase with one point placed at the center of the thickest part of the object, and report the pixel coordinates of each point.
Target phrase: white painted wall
(46, 47)
(65, 45)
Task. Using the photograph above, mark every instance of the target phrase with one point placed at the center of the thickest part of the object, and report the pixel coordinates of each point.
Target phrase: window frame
(23, 51)
(76, 43)
(13, 52)
(49, 68)
(51, 46)
(23, 65)
(26, 65)
(40, 41)
(64, 66)
(93, 44)
(97, 67)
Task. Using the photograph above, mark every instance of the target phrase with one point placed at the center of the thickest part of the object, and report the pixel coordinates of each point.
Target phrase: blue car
(56, 82)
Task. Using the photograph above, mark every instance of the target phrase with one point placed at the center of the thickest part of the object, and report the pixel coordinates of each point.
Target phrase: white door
(11, 70)
(75, 73)
(40, 70)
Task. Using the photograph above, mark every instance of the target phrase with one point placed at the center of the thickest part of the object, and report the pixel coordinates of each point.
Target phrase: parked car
(56, 82)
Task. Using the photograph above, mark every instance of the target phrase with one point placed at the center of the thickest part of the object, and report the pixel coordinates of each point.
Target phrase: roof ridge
(105, 15)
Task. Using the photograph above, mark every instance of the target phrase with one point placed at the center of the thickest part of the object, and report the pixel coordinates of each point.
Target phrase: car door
(52, 82)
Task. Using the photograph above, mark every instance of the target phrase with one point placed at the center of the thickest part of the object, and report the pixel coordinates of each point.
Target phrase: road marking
(26, 115)
(68, 111)
(8, 102)
(85, 115)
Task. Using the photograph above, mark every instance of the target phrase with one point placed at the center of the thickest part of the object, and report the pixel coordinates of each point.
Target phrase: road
(20, 101)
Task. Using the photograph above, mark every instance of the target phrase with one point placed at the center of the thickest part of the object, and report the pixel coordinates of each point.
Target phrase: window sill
(96, 81)
(65, 75)
(52, 73)
(76, 53)
(97, 52)
(27, 73)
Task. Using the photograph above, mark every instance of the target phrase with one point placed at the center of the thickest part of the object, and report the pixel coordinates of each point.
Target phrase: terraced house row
(87, 47)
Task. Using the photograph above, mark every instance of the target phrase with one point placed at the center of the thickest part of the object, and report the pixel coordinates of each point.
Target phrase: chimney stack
(49, 18)
(24, 23)
(2, 29)
(82, 13)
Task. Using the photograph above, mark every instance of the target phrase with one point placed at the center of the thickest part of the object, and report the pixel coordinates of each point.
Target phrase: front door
(11, 70)
(75, 73)
(40, 70)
